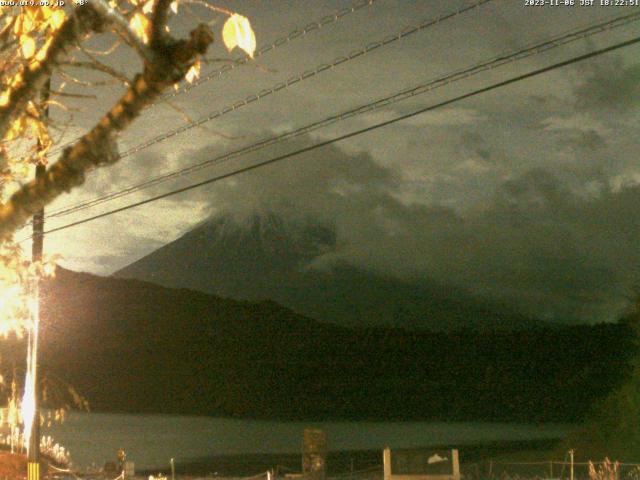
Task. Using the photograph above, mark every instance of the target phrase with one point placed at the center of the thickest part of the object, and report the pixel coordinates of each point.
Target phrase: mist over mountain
(264, 256)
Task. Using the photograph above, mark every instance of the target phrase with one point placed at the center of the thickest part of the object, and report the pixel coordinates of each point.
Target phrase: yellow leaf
(26, 24)
(148, 6)
(32, 110)
(141, 26)
(42, 53)
(194, 72)
(42, 134)
(33, 17)
(18, 126)
(57, 19)
(28, 46)
(49, 270)
(237, 32)
(45, 13)
(174, 6)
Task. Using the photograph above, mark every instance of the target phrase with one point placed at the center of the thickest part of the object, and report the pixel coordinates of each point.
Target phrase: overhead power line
(307, 74)
(300, 77)
(283, 40)
(293, 35)
(447, 79)
(355, 133)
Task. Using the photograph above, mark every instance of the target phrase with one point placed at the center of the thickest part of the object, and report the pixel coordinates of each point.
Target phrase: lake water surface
(151, 440)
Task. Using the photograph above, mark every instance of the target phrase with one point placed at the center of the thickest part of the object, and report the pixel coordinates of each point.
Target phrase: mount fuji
(267, 257)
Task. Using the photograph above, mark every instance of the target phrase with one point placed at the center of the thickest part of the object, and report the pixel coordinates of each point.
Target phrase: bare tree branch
(98, 66)
(59, 93)
(26, 83)
(101, 53)
(90, 84)
(121, 24)
(185, 116)
(98, 147)
(159, 22)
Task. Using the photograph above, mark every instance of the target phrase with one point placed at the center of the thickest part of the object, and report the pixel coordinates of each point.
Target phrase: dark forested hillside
(133, 346)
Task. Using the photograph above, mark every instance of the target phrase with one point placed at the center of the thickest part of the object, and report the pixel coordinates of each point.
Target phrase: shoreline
(339, 463)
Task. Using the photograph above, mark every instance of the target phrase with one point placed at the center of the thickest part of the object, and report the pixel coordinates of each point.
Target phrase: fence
(541, 470)
(560, 470)
(372, 473)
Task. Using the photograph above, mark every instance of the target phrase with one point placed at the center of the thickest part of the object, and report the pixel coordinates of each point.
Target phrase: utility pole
(571, 456)
(33, 457)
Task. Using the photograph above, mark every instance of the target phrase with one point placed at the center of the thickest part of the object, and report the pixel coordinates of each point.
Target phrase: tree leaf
(57, 19)
(194, 72)
(28, 46)
(148, 7)
(141, 25)
(237, 32)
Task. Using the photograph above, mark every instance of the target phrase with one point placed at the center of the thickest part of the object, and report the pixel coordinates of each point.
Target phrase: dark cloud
(547, 251)
(318, 182)
(536, 190)
(536, 245)
(506, 194)
(473, 142)
(586, 141)
(608, 85)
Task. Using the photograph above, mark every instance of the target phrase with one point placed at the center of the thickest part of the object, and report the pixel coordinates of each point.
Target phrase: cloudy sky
(527, 194)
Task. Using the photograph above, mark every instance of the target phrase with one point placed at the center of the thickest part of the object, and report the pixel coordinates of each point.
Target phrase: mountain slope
(133, 346)
(265, 257)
